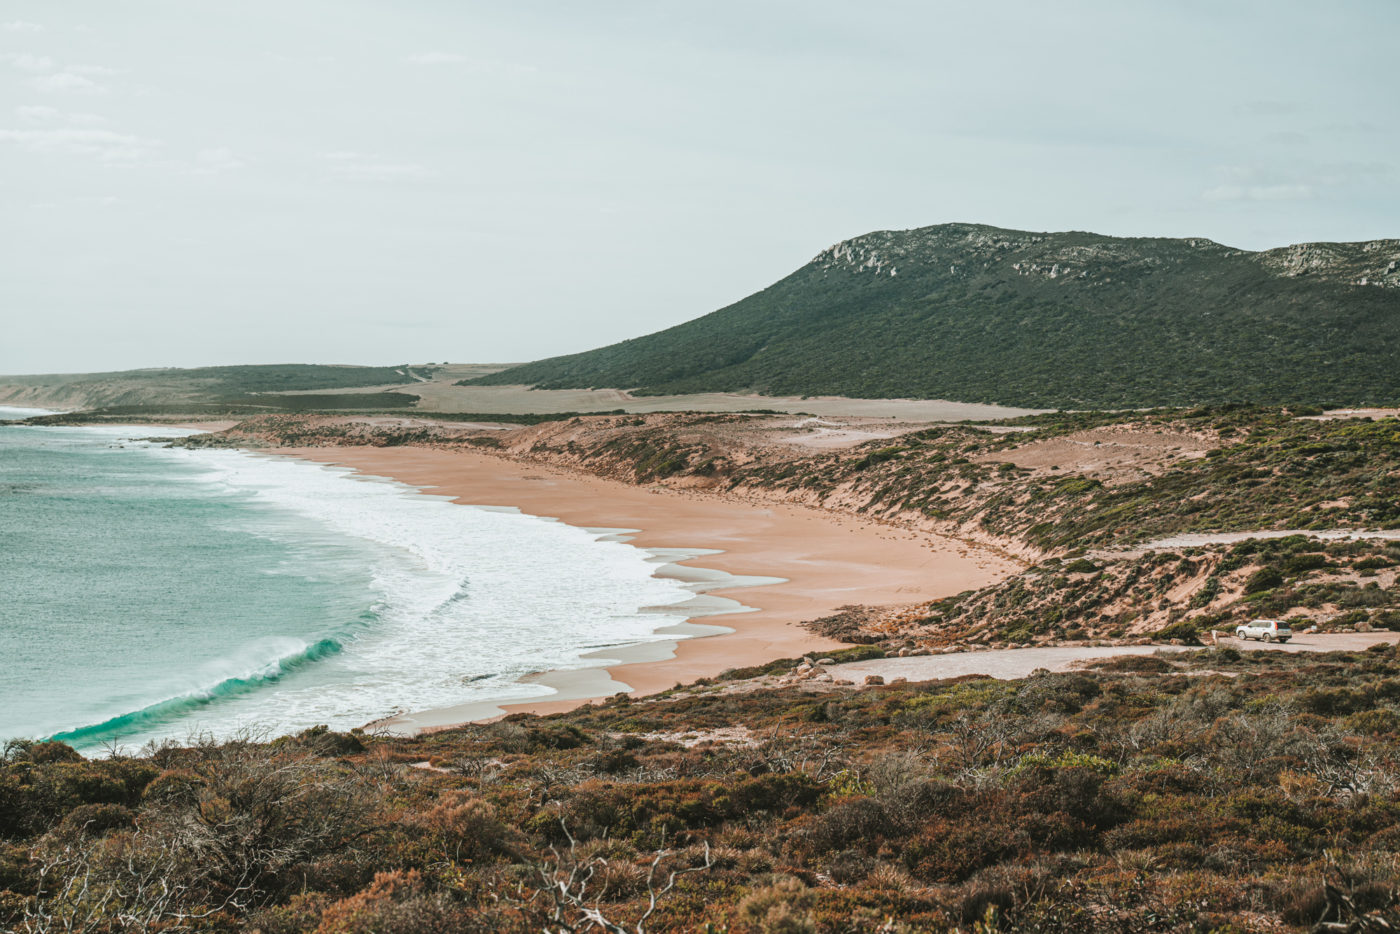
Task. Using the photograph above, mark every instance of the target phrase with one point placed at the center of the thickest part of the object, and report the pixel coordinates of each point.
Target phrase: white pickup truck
(1269, 630)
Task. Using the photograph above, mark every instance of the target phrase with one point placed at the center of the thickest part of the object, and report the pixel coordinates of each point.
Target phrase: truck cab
(1266, 630)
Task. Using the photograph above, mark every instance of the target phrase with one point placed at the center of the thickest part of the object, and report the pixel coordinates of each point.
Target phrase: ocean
(157, 593)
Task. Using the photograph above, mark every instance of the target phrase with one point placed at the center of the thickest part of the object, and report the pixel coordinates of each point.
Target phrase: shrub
(978, 898)
(1307, 561)
(785, 907)
(1374, 722)
(517, 734)
(849, 867)
(53, 751)
(281, 816)
(467, 828)
(1187, 631)
(952, 850)
(174, 786)
(394, 901)
(1266, 578)
(1331, 702)
(1066, 760)
(1071, 784)
(1169, 780)
(323, 741)
(1206, 594)
(851, 823)
(1140, 663)
(96, 819)
(1065, 693)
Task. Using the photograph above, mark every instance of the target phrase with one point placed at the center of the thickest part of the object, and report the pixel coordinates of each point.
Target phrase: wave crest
(172, 708)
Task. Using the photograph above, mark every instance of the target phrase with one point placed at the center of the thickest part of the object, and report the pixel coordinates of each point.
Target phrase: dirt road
(1018, 663)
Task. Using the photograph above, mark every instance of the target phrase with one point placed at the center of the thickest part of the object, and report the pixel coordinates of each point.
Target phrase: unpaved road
(1201, 539)
(1019, 663)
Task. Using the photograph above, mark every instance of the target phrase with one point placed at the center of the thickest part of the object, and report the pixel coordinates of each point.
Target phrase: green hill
(175, 388)
(981, 314)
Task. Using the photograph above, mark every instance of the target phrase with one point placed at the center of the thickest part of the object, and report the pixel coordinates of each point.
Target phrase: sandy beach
(826, 561)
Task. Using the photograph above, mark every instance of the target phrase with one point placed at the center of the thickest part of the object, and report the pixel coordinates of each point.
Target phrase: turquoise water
(154, 593)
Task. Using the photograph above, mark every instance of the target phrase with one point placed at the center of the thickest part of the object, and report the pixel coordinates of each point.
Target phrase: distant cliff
(202, 386)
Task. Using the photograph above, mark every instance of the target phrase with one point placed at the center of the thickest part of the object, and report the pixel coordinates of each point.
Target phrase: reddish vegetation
(1206, 791)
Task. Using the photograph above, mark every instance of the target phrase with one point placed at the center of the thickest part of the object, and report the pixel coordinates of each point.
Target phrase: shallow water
(154, 592)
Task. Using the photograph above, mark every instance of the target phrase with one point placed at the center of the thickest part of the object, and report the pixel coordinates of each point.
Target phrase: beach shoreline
(810, 562)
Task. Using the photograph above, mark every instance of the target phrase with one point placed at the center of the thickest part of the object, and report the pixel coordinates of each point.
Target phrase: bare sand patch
(830, 435)
(1331, 414)
(1110, 455)
(441, 394)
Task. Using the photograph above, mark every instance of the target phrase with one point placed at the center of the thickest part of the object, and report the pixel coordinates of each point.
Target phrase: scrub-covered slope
(977, 313)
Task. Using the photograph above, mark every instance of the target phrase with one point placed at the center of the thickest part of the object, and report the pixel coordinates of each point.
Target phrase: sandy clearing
(1351, 413)
(1110, 455)
(389, 421)
(440, 394)
(826, 437)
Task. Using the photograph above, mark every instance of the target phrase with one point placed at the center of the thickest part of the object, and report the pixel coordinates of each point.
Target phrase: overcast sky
(186, 183)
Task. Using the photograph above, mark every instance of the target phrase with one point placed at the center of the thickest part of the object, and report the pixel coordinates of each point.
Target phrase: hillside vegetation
(1166, 594)
(1209, 791)
(1072, 320)
(198, 388)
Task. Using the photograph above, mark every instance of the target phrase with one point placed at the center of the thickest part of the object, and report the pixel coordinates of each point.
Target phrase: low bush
(1266, 578)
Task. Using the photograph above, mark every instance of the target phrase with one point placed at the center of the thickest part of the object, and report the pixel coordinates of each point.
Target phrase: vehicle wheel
(1268, 638)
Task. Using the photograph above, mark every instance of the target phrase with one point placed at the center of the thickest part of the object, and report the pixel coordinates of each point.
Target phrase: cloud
(214, 161)
(53, 131)
(100, 71)
(1254, 183)
(23, 61)
(1267, 108)
(1346, 173)
(66, 82)
(105, 145)
(360, 166)
(19, 25)
(435, 58)
(1291, 192)
(39, 114)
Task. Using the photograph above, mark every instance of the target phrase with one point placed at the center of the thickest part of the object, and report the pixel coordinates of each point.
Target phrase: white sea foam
(468, 599)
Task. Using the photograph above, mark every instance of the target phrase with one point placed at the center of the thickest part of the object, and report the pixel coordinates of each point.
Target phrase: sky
(189, 183)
